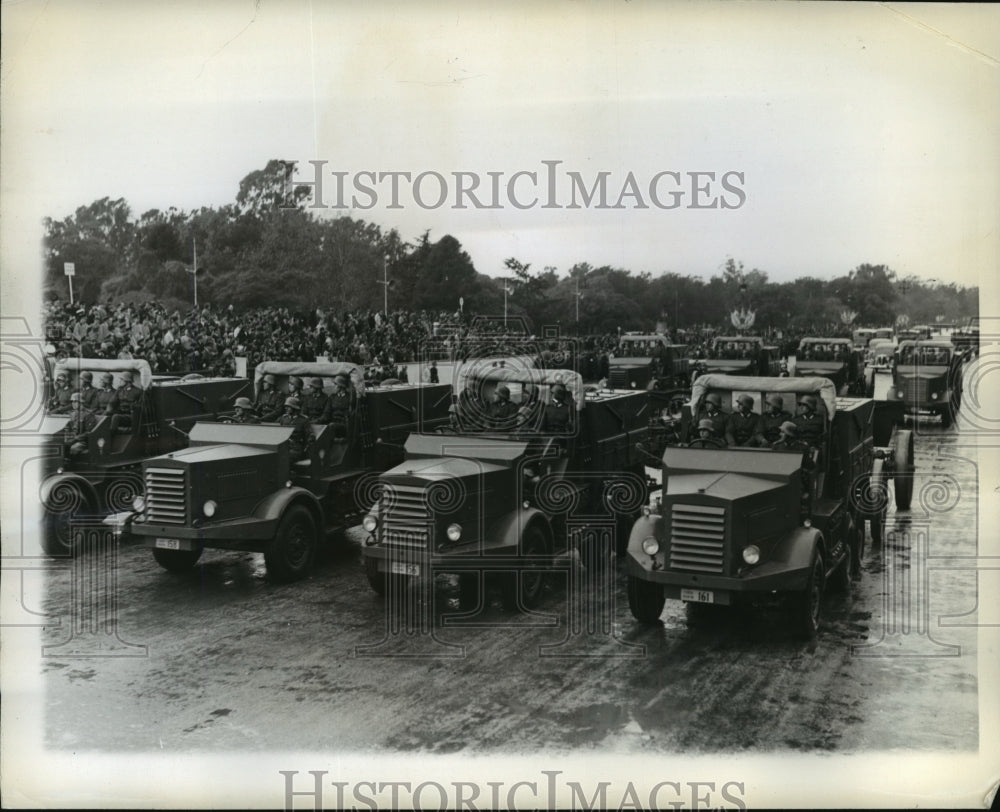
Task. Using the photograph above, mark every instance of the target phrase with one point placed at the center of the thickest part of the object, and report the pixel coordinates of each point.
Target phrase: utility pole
(194, 273)
(579, 296)
(384, 282)
(506, 290)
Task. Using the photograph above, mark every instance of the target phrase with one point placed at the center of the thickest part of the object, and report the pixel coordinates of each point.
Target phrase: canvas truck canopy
(740, 340)
(311, 369)
(473, 368)
(822, 387)
(116, 366)
(539, 378)
(838, 342)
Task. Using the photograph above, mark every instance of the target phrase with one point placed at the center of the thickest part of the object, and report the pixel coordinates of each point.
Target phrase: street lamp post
(506, 290)
(384, 282)
(579, 295)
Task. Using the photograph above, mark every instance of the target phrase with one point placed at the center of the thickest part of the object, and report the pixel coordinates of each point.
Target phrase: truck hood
(436, 469)
(210, 453)
(720, 485)
(631, 361)
(820, 367)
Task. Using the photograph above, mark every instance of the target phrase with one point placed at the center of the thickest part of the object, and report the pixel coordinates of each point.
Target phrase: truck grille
(166, 495)
(618, 379)
(914, 390)
(697, 537)
(407, 517)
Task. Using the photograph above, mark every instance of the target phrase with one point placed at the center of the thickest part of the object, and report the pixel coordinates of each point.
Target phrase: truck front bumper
(249, 534)
(771, 576)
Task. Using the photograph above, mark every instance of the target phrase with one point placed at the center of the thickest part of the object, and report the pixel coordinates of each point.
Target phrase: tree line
(258, 252)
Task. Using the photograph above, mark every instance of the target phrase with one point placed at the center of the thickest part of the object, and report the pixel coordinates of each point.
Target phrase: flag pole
(195, 274)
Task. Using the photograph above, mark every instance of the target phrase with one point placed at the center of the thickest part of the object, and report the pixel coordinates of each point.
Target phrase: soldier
(771, 420)
(81, 423)
(88, 395)
(243, 412)
(471, 409)
(339, 404)
(743, 425)
(558, 414)
(302, 435)
(707, 437)
(127, 399)
(788, 439)
(59, 403)
(433, 374)
(105, 397)
(808, 423)
(501, 410)
(295, 387)
(713, 411)
(315, 403)
(270, 403)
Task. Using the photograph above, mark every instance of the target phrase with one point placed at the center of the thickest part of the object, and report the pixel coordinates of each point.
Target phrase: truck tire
(57, 538)
(524, 589)
(806, 605)
(292, 551)
(903, 474)
(378, 581)
(645, 600)
(947, 416)
(177, 560)
(843, 575)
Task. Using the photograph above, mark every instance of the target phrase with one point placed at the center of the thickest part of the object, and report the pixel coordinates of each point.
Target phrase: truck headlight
(934, 395)
(138, 504)
(209, 508)
(369, 523)
(899, 393)
(454, 532)
(101, 443)
(751, 554)
(650, 546)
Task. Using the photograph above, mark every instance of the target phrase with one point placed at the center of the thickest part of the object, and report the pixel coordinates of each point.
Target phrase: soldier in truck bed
(105, 397)
(315, 403)
(807, 422)
(59, 403)
(128, 396)
(712, 410)
(270, 402)
(557, 416)
(743, 424)
(771, 420)
(302, 435)
(81, 423)
(88, 395)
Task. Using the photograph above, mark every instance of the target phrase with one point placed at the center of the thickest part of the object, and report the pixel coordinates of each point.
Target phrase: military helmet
(269, 378)
(127, 376)
(294, 403)
(316, 382)
(775, 400)
(107, 377)
(503, 392)
(745, 400)
(714, 397)
(86, 376)
(808, 400)
(342, 378)
(75, 398)
(62, 376)
(789, 429)
(295, 381)
(243, 403)
(706, 424)
(558, 389)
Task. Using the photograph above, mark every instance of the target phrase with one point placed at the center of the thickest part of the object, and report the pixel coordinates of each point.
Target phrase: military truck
(649, 361)
(861, 337)
(105, 478)
(238, 487)
(927, 379)
(834, 358)
(878, 367)
(493, 498)
(742, 355)
(966, 339)
(737, 524)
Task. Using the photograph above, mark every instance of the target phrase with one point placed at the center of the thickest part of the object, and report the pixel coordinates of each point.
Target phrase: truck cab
(489, 496)
(742, 355)
(239, 486)
(834, 358)
(106, 477)
(927, 379)
(648, 361)
(732, 525)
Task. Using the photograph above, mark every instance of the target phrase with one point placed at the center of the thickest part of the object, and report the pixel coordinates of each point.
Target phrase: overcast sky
(861, 133)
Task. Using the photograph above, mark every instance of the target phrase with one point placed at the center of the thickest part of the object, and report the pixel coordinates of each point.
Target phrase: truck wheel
(378, 581)
(947, 416)
(645, 600)
(57, 538)
(292, 551)
(523, 590)
(176, 560)
(843, 575)
(806, 604)
(903, 476)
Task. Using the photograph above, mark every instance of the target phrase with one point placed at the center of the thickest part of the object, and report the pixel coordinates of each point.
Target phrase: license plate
(168, 544)
(698, 595)
(399, 568)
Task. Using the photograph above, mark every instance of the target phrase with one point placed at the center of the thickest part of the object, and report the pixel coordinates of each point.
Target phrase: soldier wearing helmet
(59, 403)
(711, 410)
(706, 436)
(81, 423)
(270, 402)
(501, 410)
(808, 423)
(87, 392)
(743, 424)
(243, 412)
(771, 420)
(788, 439)
(302, 434)
(340, 404)
(105, 398)
(558, 414)
(315, 403)
(128, 398)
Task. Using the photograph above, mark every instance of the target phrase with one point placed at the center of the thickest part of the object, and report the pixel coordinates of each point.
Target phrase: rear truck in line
(834, 358)
(495, 498)
(649, 361)
(742, 355)
(926, 380)
(237, 487)
(736, 525)
(106, 478)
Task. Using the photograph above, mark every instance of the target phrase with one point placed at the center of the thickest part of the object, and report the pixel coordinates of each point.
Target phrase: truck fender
(50, 501)
(797, 548)
(644, 527)
(506, 533)
(273, 506)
